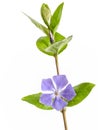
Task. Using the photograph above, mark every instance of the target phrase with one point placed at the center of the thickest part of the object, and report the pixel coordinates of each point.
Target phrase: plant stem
(56, 63)
(63, 111)
(64, 118)
(57, 70)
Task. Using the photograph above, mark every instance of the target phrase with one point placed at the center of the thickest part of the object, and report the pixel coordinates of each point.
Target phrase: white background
(22, 66)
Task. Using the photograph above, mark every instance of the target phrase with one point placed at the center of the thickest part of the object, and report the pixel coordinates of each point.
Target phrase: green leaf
(55, 19)
(38, 25)
(58, 47)
(82, 91)
(46, 14)
(34, 100)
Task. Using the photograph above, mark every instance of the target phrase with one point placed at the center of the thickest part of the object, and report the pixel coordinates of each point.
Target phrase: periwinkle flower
(57, 92)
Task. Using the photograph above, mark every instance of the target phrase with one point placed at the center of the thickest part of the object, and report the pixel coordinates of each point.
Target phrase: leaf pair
(44, 44)
(52, 21)
(82, 91)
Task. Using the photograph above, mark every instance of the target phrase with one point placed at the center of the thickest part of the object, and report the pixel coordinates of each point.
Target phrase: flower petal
(59, 104)
(46, 99)
(60, 81)
(47, 85)
(68, 92)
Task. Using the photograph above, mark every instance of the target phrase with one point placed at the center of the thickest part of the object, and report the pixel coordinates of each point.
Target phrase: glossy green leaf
(82, 91)
(58, 47)
(46, 14)
(38, 25)
(44, 42)
(55, 19)
(34, 100)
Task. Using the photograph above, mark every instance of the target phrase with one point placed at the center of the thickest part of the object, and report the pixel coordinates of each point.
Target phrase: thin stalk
(57, 70)
(64, 119)
(63, 111)
(56, 63)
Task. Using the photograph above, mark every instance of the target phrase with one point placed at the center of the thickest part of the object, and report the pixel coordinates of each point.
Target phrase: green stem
(57, 70)
(63, 111)
(56, 63)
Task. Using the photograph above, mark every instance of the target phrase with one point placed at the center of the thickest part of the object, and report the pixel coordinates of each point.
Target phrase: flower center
(56, 93)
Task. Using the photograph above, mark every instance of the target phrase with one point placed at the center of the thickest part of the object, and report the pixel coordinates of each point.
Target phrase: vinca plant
(57, 92)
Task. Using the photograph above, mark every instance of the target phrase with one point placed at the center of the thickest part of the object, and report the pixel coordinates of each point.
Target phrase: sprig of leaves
(52, 21)
(53, 45)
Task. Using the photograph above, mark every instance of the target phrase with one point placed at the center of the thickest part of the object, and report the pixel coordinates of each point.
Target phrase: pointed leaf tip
(34, 100)
(37, 24)
(56, 17)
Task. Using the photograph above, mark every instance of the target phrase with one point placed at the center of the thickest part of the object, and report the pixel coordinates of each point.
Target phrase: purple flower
(57, 92)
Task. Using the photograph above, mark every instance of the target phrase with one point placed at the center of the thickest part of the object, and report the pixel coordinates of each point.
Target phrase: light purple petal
(59, 104)
(68, 92)
(47, 85)
(60, 81)
(46, 99)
